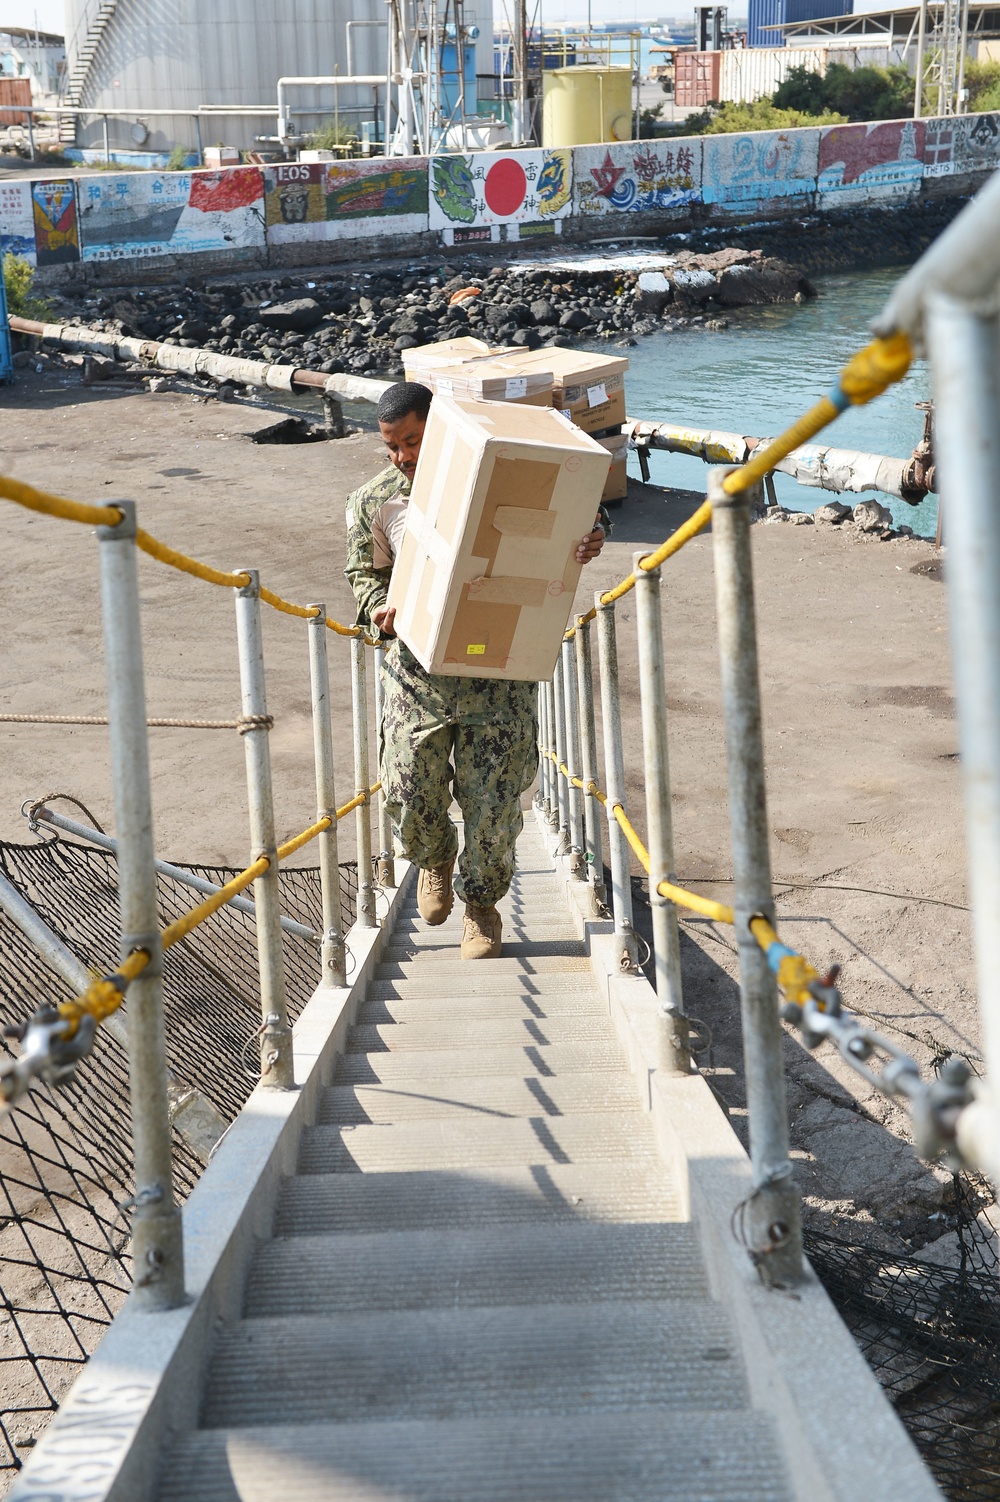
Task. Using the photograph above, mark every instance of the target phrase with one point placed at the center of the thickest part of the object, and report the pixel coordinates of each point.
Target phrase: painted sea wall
(150, 223)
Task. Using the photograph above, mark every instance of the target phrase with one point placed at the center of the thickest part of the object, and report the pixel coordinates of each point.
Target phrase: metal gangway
(483, 1232)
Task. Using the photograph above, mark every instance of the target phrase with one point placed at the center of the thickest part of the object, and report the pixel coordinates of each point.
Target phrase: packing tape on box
(524, 521)
(506, 589)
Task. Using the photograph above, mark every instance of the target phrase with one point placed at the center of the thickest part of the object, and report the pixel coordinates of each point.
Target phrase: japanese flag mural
(489, 189)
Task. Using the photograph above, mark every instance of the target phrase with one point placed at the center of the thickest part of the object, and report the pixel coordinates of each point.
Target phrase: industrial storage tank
(144, 55)
(584, 105)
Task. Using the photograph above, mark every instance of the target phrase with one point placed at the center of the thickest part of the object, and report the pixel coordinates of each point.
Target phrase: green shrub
(852, 93)
(763, 115)
(18, 279)
(178, 159)
(983, 83)
(331, 136)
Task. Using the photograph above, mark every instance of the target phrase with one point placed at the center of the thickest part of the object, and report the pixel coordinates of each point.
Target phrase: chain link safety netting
(930, 1331)
(65, 1156)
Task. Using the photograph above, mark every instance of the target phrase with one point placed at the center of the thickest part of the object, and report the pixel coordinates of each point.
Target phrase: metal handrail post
(614, 777)
(562, 791)
(588, 757)
(549, 690)
(542, 796)
(275, 1033)
(772, 1221)
(574, 799)
(334, 961)
(674, 1055)
(362, 782)
(157, 1228)
(386, 865)
(963, 344)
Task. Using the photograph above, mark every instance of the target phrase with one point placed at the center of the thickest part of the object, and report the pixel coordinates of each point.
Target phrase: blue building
(777, 12)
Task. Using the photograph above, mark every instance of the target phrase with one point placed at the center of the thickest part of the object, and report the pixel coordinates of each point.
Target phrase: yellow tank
(585, 105)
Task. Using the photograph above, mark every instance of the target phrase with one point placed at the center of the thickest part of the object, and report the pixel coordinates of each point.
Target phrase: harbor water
(764, 370)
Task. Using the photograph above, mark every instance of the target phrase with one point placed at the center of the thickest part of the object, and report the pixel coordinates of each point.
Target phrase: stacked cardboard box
(489, 380)
(616, 487)
(425, 357)
(484, 580)
(589, 389)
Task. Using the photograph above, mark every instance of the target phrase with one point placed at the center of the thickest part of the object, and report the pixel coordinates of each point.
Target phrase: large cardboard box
(485, 576)
(588, 388)
(490, 379)
(616, 485)
(429, 356)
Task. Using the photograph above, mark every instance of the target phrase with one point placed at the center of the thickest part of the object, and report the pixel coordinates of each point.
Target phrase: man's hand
(384, 619)
(590, 546)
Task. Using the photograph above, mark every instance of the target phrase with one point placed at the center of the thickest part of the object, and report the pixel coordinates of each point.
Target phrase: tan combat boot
(481, 933)
(434, 894)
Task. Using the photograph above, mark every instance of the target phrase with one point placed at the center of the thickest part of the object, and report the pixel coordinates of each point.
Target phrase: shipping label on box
(485, 576)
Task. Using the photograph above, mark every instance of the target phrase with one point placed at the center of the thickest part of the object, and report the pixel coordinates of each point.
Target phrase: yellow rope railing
(109, 516)
(871, 371)
(795, 975)
(104, 996)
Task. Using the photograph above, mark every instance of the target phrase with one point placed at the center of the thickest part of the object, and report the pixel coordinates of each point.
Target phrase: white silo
(139, 56)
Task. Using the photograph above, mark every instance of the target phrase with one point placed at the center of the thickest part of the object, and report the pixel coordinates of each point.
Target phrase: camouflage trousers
(474, 738)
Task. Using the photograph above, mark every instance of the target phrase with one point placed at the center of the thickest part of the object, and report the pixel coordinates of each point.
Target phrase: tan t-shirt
(388, 526)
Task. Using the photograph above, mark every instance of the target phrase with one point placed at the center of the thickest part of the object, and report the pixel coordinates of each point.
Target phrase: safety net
(65, 1156)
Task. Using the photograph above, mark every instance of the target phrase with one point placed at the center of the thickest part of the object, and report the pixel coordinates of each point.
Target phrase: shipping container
(750, 73)
(697, 78)
(14, 91)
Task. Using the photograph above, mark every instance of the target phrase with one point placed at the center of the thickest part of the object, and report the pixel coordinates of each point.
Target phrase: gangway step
(644, 1456)
(442, 1096)
(448, 968)
(459, 1009)
(519, 944)
(469, 980)
(538, 1140)
(530, 1057)
(374, 1037)
(354, 1204)
(460, 1363)
(575, 1263)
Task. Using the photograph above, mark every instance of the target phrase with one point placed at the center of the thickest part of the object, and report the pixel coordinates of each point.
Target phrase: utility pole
(918, 93)
(520, 120)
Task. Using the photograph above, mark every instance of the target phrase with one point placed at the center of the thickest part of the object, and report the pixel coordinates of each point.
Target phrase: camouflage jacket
(368, 579)
(368, 551)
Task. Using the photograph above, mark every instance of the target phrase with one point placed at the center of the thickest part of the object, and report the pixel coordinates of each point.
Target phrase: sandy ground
(863, 785)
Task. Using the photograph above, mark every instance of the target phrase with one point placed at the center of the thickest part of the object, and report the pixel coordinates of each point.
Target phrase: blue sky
(51, 14)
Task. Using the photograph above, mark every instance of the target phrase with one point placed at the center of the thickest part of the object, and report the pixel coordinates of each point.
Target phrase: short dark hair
(400, 400)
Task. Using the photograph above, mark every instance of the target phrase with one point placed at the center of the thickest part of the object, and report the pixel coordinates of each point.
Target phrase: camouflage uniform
(474, 738)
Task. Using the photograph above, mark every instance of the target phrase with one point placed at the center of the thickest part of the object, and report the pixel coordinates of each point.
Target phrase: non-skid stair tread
(440, 1199)
(566, 1263)
(539, 1140)
(646, 1456)
(430, 969)
(462, 1007)
(470, 980)
(463, 1363)
(540, 1031)
(443, 1096)
(547, 1060)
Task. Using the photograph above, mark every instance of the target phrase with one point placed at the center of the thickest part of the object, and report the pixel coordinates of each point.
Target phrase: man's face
(403, 439)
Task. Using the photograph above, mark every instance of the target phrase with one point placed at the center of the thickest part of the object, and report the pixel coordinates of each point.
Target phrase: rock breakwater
(362, 324)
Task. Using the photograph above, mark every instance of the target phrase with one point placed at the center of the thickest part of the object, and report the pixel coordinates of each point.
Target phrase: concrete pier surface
(860, 740)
